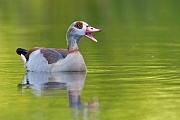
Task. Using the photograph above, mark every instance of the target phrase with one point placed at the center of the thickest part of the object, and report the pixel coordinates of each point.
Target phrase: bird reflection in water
(42, 83)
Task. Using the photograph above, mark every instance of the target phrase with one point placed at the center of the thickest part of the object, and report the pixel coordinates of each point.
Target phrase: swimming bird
(40, 59)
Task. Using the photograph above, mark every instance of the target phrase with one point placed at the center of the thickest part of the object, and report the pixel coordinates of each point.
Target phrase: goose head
(79, 29)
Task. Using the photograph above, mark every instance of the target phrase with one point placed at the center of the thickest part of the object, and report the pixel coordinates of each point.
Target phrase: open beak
(89, 31)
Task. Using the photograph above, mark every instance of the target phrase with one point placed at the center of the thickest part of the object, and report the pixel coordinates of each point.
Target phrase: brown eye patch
(79, 25)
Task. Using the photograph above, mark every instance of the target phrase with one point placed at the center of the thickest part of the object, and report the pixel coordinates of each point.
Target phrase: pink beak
(89, 31)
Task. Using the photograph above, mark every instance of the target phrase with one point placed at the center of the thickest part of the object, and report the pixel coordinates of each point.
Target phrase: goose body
(41, 59)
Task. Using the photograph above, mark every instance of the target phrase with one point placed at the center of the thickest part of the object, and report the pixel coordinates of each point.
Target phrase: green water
(133, 69)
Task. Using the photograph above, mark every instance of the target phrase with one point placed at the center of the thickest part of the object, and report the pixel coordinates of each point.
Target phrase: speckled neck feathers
(72, 41)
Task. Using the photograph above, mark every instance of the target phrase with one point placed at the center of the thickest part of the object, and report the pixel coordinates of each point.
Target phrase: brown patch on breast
(51, 55)
(73, 51)
(30, 51)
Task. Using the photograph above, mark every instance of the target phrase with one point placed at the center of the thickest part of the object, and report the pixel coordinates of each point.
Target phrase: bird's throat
(72, 46)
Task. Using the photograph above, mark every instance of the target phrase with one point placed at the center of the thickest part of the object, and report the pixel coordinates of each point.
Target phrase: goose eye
(79, 25)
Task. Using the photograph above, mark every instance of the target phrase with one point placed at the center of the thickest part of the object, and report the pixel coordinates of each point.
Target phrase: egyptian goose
(41, 59)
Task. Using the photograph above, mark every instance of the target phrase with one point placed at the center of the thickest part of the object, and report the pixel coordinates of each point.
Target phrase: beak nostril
(91, 28)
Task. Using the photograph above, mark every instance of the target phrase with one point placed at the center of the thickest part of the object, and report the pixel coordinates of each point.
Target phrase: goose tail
(22, 52)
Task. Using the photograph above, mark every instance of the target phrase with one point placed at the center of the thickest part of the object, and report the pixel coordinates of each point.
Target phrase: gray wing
(51, 55)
